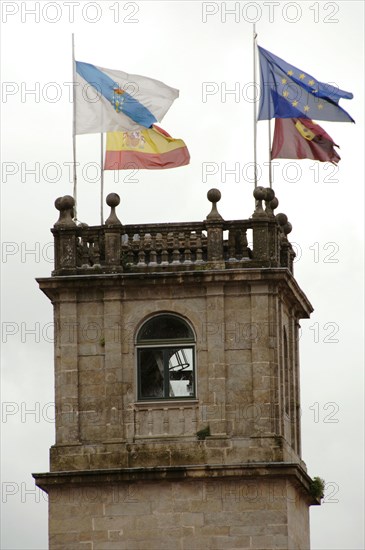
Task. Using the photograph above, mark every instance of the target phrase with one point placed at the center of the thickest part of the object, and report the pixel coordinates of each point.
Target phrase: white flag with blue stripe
(114, 101)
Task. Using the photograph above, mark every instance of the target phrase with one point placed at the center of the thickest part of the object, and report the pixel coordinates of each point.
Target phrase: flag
(302, 139)
(110, 101)
(288, 92)
(151, 148)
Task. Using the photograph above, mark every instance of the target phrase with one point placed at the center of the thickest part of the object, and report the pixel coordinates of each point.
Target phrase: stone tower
(177, 384)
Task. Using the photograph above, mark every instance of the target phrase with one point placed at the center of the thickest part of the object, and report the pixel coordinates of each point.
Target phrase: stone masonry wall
(239, 371)
(188, 515)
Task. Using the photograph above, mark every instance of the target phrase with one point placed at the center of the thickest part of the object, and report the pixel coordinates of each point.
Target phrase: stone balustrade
(211, 244)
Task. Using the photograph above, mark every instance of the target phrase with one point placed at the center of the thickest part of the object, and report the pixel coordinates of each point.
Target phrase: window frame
(164, 345)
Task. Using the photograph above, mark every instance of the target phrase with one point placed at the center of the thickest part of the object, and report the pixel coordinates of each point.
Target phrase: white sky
(170, 42)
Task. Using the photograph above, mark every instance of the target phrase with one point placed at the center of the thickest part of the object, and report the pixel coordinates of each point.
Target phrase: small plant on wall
(317, 487)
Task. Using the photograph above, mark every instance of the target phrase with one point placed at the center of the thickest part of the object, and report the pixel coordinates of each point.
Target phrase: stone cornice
(250, 471)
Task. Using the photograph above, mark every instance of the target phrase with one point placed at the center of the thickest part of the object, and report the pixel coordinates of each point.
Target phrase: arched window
(166, 359)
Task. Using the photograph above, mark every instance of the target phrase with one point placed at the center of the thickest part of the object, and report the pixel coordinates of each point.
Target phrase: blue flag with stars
(287, 92)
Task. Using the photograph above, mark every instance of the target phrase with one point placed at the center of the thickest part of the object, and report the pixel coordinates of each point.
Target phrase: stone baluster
(128, 249)
(112, 231)
(96, 254)
(193, 246)
(244, 244)
(232, 245)
(176, 251)
(199, 250)
(164, 250)
(187, 251)
(141, 252)
(141, 258)
(214, 223)
(85, 253)
(153, 251)
(147, 243)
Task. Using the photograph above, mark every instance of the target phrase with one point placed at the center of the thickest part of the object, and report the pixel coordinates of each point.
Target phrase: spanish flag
(148, 148)
(301, 138)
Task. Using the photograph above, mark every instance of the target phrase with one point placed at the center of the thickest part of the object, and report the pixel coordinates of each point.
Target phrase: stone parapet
(140, 248)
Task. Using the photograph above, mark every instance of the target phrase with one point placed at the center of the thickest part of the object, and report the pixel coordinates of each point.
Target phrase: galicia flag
(111, 101)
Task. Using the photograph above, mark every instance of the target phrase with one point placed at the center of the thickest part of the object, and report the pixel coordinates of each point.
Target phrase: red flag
(301, 138)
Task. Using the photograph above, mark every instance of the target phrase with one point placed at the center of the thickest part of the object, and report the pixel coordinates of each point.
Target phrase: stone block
(59, 540)
(238, 530)
(196, 542)
(134, 509)
(280, 541)
(207, 504)
(212, 530)
(223, 542)
(90, 363)
(168, 519)
(109, 545)
(262, 541)
(94, 536)
(189, 519)
(188, 491)
(76, 523)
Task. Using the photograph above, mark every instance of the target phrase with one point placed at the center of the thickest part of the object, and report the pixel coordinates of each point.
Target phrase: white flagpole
(270, 166)
(74, 126)
(101, 178)
(254, 107)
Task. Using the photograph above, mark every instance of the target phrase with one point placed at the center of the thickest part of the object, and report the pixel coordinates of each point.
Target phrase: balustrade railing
(211, 244)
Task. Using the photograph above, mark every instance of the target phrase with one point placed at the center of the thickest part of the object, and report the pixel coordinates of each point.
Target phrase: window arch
(165, 358)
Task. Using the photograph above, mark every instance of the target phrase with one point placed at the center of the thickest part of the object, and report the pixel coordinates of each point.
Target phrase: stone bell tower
(177, 384)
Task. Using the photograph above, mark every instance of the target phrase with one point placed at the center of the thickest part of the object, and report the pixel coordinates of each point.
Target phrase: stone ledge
(51, 285)
(166, 404)
(291, 471)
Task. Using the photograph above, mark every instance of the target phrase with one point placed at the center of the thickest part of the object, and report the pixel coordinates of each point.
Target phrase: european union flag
(287, 92)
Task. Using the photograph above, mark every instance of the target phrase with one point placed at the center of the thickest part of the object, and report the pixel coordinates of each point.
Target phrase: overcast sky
(204, 52)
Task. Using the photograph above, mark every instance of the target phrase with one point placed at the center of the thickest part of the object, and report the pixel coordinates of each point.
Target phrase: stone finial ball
(274, 203)
(58, 203)
(287, 228)
(64, 203)
(214, 195)
(113, 199)
(282, 219)
(270, 194)
(67, 202)
(259, 193)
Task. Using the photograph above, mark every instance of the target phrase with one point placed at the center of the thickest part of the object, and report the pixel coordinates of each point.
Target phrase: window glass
(165, 327)
(166, 370)
(151, 372)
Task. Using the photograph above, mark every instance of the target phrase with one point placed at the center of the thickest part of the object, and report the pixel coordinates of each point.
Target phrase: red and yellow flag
(149, 148)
